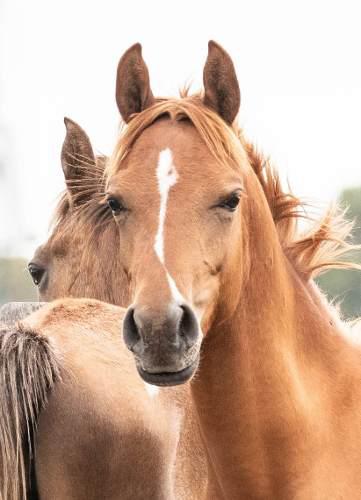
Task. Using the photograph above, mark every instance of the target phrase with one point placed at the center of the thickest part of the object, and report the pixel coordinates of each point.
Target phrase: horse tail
(29, 368)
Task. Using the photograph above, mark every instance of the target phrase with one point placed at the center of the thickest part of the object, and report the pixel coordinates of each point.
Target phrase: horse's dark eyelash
(36, 272)
(222, 202)
(119, 202)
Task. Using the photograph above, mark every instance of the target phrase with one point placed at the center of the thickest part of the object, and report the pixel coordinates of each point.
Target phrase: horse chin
(164, 379)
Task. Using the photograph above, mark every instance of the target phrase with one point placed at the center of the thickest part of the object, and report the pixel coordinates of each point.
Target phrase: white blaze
(178, 297)
(167, 177)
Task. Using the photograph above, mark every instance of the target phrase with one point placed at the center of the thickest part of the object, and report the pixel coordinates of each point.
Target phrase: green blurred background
(15, 282)
(344, 287)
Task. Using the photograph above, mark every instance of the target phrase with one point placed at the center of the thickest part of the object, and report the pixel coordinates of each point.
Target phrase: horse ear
(77, 159)
(133, 93)
(221, 86)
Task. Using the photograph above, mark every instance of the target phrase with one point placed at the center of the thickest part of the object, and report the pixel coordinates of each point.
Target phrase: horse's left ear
(77, 159)
(133, 93)
(221, 88)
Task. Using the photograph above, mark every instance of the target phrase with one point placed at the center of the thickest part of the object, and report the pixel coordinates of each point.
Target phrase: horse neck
(256, 392)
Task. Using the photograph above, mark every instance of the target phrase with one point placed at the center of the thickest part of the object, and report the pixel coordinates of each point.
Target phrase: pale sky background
(298, 63)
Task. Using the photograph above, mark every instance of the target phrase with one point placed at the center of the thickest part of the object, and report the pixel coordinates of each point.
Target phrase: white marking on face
(178, 297)
(167, 177)
(152, 390)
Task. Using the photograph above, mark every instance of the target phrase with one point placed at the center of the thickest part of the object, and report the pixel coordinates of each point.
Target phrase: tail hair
(29, 368)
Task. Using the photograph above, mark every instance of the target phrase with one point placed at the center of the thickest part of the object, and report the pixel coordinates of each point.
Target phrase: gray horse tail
(29, 368)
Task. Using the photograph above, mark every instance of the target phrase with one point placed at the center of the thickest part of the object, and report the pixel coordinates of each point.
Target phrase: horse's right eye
(36, 273)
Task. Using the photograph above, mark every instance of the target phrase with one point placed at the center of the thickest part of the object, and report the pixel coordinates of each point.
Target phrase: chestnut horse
(64, 266)
(221, 286)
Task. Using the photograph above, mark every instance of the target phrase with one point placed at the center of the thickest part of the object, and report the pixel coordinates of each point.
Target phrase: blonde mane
(319, 249)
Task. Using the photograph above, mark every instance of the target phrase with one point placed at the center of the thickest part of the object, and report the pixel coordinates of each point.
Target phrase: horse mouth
(163, 379)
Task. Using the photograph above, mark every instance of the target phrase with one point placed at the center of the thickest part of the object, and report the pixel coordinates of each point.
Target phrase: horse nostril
(188, 326)
(130, 330)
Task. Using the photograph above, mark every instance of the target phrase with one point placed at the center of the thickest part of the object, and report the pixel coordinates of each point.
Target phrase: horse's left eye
(36, 273)
(115, 205)
(231, 203)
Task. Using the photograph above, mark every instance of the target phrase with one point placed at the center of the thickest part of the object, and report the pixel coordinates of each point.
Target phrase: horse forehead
(172, 171)
(196, 167)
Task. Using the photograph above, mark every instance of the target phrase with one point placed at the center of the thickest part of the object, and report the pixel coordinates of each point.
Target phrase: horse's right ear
(133, 92)
(77, 159)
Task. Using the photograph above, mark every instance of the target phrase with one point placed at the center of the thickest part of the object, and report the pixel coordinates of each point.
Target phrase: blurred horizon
(342, 287)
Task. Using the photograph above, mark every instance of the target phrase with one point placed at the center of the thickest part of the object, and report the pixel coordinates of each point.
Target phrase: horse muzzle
(165, 343)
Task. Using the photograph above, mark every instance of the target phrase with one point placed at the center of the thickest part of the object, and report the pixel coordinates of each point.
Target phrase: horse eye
(115, 206)
(36, 273)
(231, 203)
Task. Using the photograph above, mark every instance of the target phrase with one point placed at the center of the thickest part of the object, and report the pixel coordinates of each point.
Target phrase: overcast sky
(298, 65)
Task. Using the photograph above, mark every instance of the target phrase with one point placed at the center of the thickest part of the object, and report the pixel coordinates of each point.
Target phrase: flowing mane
(319, 249)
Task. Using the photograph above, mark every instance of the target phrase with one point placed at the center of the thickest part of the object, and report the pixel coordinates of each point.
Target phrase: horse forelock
(220, 139)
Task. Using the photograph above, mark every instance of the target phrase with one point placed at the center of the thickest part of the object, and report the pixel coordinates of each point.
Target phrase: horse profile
(106, 457)
(221, 287)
